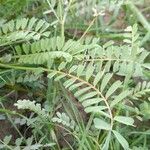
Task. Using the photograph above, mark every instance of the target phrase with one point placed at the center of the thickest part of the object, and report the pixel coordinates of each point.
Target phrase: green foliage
(90, 92)
(29, 144)
(42, 51)
(23, 29)
(65, 120)
(10, 8)
(27, 104)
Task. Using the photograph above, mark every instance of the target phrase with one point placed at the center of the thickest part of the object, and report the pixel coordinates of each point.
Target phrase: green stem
(62, 29)
(52, 9)
(139, 15)
(146, 38)
(69, 75)
(11, 121)
(17, 67)
(92, 22)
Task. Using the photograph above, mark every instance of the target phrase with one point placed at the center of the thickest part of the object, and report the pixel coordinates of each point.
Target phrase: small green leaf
(51, 75)
(11, 25)
(24, 23)
(106, 144)
(97, 78)
(81, 91)
(100, 124)
(119, 98)
(105, 81)
(116, 66)
(95, 109)
(124, 120)
(26, 48)
(91, 101)
(127, 41)
(113, 88)
(7, 139)
(31, 23)
(80, 70)
(74, 86)
(87, 96)
(18, 50)
(121, 140)
(18, 23)
(73, 68)
(67, 45)
(60, 42)
(44, 27)
(62, 65)
(39, 25)
(107, 66)
(46, 34)
(60, 77)
(69, 82)
(89, 71)
(109, 43)
(146, 65)
(18, 141)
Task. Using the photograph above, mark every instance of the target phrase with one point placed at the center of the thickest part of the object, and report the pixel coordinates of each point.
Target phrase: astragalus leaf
(121, 140)
(113, 88)
(120, 97)
(100, 124)
(124, 120)
(105, 81)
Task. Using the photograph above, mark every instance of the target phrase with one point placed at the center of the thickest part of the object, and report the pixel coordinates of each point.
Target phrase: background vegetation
(74, 75)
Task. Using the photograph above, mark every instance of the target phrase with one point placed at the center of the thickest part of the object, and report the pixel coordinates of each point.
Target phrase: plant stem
(69, 75)
(51, 7)
(11, 121)
(90, 25)
(139, 17)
